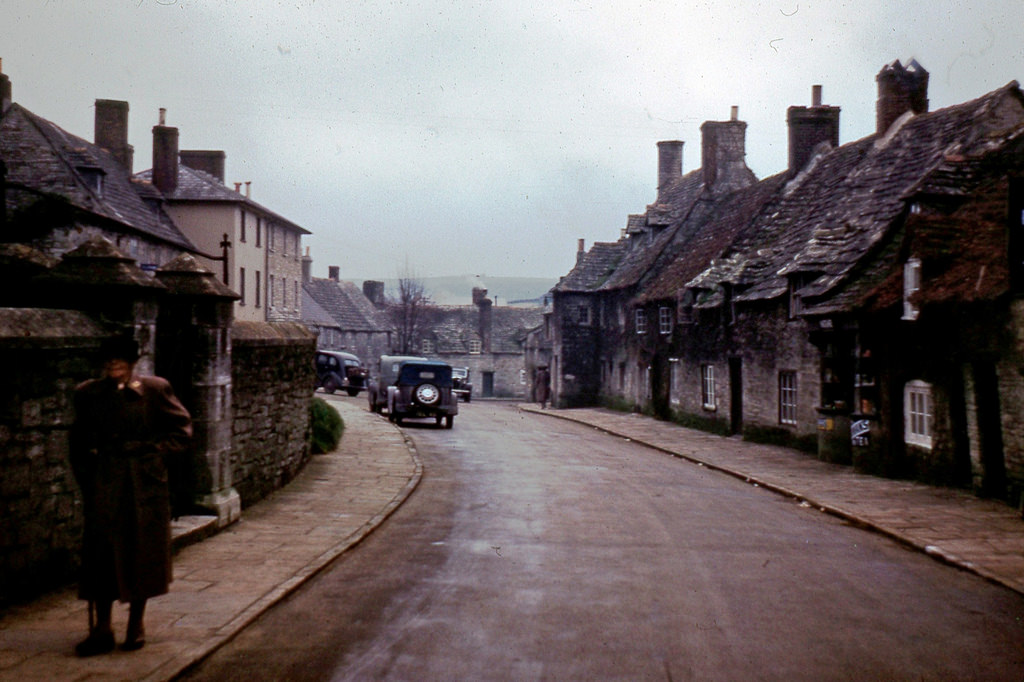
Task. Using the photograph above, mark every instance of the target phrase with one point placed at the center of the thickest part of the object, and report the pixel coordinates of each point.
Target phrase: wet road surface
(540, 549)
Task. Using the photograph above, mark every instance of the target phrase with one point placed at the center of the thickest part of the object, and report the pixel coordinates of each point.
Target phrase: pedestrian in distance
(127, 429)
(543, 386)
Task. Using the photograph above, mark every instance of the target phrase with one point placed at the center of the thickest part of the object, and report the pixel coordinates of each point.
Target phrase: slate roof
(841, 208)
(199, 186)
(313, 313)
(594, 269)
(453, 327)
(43, 159)
(346, 304)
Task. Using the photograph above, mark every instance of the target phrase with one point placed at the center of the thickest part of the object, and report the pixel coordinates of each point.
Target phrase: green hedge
(327, 426)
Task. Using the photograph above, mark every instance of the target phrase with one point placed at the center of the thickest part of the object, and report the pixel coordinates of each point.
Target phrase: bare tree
(410, 312)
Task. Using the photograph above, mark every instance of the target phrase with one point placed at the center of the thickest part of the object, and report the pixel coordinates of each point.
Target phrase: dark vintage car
(385, 375)
(340, 371)
(423, 390)
(461, 384)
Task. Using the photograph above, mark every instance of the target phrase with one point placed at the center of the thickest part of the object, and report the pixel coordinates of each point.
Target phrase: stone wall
(272, 386)
(45, 354)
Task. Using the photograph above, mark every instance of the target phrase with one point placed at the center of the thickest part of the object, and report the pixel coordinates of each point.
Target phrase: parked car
(385, 375)
(423, 389)
(461, 384)
(336, 371)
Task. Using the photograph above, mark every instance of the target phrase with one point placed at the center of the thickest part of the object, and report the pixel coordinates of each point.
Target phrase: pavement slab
(225, 581)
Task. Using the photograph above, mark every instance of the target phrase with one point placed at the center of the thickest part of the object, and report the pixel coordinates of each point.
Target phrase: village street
(536, 548)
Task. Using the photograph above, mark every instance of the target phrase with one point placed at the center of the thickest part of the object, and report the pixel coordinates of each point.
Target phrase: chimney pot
(734, 113)
(163, 116)
(815, 95)
(248, 188)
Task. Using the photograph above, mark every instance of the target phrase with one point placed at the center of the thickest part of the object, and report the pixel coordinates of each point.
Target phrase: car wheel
(352, 391)
(398, 419)
(449, 421)
(466, 397)
(427, 394)
(330, 385)
(438, 419)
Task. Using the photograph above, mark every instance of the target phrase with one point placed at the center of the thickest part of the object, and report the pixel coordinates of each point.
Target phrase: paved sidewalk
(224, 582)
(981, 536)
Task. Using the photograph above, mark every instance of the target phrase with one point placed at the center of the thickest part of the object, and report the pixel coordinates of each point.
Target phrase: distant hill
(458, 290)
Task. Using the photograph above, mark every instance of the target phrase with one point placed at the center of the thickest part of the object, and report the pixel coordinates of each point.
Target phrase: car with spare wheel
(423, 390)
(384, 377)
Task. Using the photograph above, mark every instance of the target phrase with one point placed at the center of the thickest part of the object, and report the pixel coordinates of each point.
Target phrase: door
(488, 378)
(736, 395)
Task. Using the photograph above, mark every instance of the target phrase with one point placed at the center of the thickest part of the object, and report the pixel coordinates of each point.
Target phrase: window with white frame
(665, 320)
(583, 314)
(911, 285)
(787, 398)
(673, 381)
(707, 386)
(641, 321)
(427, 346)
(917, 413)
(475, 346)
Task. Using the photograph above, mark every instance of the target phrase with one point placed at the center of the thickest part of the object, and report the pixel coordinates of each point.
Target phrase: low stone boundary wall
(272, 379)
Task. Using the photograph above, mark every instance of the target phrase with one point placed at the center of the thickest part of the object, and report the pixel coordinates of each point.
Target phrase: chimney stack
(486, 314)
(110, 131)
(900, 89)
(723, 146)
(307, 268)
(334, 273)
(5, 90)
(374, 292)
(165, 155)
(809, 127)
(206, 160)
(670, 164)
(581, 252)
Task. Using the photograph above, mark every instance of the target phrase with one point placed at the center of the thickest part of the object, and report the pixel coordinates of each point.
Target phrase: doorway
(736, 396)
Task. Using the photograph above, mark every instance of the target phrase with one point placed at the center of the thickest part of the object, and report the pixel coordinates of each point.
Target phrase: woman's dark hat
(119, 348)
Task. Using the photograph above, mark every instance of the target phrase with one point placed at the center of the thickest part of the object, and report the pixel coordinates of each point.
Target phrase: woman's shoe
(98, 642)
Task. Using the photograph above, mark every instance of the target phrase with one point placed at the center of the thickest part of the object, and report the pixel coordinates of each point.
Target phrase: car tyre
(449, 421)
(352, 391)
(330, 385)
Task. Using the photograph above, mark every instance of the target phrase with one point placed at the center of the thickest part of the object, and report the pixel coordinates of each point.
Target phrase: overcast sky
(480, 138)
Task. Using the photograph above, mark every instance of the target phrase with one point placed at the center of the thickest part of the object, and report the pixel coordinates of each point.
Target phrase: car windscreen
(418, 374)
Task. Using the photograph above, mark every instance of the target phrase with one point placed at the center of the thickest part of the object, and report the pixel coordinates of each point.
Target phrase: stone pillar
(194, 339)
(100, 280)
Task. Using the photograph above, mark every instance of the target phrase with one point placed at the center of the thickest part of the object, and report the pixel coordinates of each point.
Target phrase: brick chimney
(334, 273)
(374, 292)
(581, 252)
(809, 127)
(110, 131)
(5, 90)
(900, 89)
(207, 160)
(670, 164)
(723, 147)
(165, 155)
(481, 301)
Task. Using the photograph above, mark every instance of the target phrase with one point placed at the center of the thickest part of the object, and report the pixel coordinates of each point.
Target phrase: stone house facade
(344, 317)
(264, 253)
(742, 305)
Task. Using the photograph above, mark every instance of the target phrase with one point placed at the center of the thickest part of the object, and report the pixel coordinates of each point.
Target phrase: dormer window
(93, 178)
(911, 285)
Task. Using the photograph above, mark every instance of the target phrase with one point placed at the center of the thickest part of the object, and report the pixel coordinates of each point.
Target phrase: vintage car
(461, 384)
(423, 389)
(385, 375)
(340, 371)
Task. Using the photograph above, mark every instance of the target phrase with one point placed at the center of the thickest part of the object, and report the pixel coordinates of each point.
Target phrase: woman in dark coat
(124, 429)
